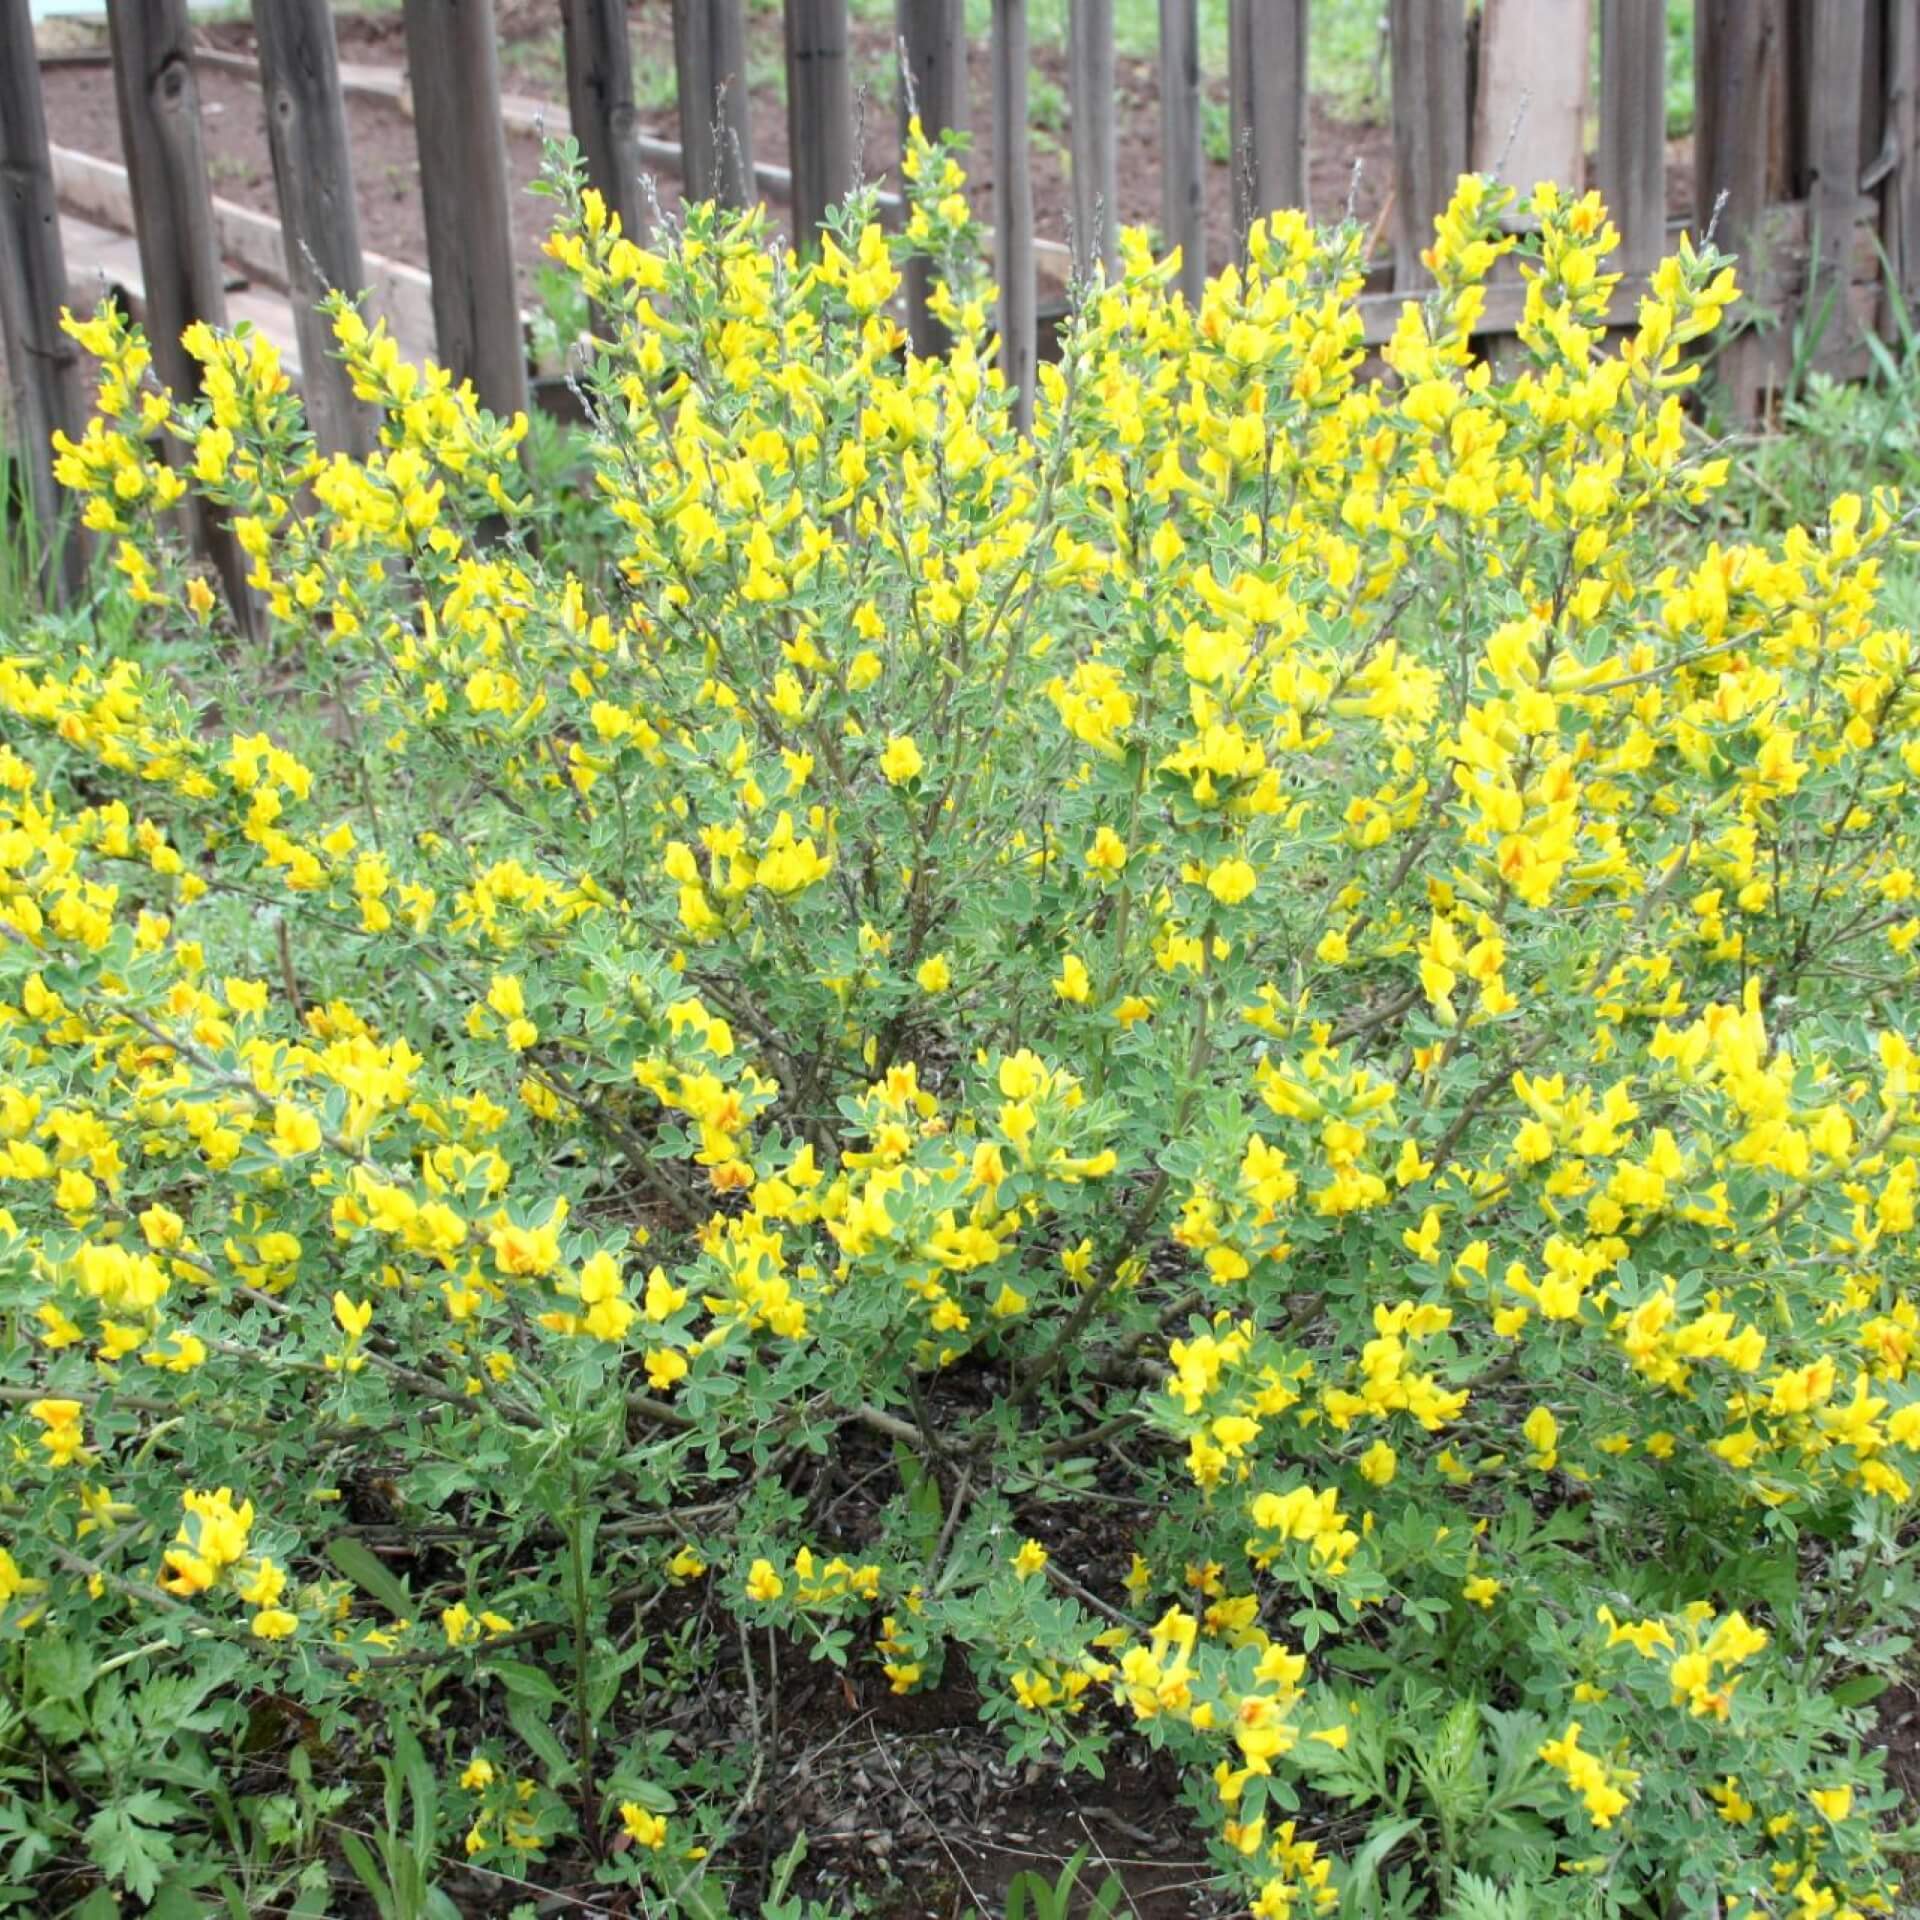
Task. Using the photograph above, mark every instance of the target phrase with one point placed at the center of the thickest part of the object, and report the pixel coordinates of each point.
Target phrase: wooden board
(1267, 75)
(159, 108)
(1630, 168)
(819, 111)
(1183, 205)
(320, 223)
(1013, 204)
(716, 133)
(933, 85)
(1094, 237)
(1838, 50)
(452, 65)
(1429, 58)
(1530, 106)
(600, 105)
(43, 365)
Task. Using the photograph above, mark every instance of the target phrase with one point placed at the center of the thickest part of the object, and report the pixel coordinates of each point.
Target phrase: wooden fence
(1807, 142)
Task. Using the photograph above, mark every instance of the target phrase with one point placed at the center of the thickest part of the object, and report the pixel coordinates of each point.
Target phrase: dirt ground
(1349, 164)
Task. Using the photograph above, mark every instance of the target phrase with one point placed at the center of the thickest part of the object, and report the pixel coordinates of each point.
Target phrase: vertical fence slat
(600, 105)
(159, 108)
(1833, 153)
(1013, 203)
(1530, 95)
(1429, 59)
(43, 365)
(454, 68)
(1183, 206)
(1090, 123)
(1900, 205)
(933, 45)
(1631, 165)
(716, 133)
(1736, 51)
(933, 36)
(819, 111)
(320, 225)
(1735, 42)
(1267, 68)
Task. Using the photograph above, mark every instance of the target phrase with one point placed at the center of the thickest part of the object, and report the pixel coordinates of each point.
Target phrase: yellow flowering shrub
(1315, 952)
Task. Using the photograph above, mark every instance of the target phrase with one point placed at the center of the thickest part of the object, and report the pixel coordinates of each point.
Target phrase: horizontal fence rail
(1806, 155)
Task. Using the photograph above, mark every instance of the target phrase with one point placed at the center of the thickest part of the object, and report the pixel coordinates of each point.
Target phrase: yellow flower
(643, 1828)
(934, 975)
(1833, 1803)
(478, 1775)
(1482, 1590)
(354, 1319)
(62, 1420)
(665, 1366)
(1030, 1558)
(1232, 881)
(763, 1583)
(1602, 1786)
(901, 761)
(275, 1623)
(295, 1130)
(1108, 853)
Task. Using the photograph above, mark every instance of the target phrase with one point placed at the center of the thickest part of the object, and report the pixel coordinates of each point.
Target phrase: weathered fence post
(43, 365)
(1900, 206)
(1183, 202)
(453, 66)
(1736, 45)
(1429, 58)
(173, 223)
(819, 112)
(1838, 55)
(1267, 65)
(1632, 162)
(1090, 129)
(1531, 92)
(933, 46)
(600, 105)
(716, 134)
(320, 226)
(1013, 205)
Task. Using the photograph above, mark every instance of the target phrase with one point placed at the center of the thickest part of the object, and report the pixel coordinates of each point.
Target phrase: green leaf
(1360, 1893)
(126, 1842)
(363, 1567)
(531, 1725)
(1860, 1689)
(526, 1681)
(58, 1668)
(370, 1876)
